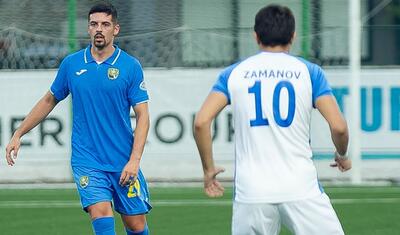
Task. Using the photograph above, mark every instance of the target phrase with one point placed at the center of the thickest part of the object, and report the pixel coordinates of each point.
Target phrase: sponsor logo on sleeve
(142, 86)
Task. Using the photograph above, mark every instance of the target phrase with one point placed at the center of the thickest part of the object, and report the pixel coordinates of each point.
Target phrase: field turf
(185, 210)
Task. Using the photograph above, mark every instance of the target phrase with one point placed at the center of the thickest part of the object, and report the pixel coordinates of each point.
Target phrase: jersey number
(134, 189)
(283, 122)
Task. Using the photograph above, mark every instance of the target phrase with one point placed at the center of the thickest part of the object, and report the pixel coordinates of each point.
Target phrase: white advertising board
(175, 96)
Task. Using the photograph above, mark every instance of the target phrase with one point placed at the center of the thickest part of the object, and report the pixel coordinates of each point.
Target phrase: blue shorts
(99, 186)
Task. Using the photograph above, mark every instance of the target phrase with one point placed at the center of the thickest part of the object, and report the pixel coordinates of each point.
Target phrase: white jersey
(272, 96)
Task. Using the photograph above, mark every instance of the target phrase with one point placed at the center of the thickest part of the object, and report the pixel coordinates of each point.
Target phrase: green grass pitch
(185, 210)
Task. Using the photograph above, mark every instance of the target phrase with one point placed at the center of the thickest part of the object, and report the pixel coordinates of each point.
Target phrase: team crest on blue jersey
(113, 73)
(84, 181)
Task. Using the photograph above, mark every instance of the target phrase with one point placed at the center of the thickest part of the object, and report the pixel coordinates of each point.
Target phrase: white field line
(166, 203)
(360, 190)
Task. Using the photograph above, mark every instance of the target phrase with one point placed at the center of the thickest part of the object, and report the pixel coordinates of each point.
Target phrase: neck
(279, 48)
(102, 54)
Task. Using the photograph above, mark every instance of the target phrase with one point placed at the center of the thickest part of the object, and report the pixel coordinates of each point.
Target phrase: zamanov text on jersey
(249, 74)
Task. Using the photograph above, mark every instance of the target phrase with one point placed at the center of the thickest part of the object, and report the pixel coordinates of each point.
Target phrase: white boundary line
(329, 188)
(350, 190)
(167, 203)
(365, 200)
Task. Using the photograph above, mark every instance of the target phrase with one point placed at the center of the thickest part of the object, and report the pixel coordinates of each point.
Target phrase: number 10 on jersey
(281, 121)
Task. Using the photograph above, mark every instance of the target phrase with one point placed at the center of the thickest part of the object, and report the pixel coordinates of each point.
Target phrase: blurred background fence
(37, 34)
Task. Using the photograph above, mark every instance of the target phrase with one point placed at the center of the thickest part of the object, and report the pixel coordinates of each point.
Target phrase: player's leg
(102, 218)
(255, 218)
(95, 193)
(135, 224)
(312, 216)
(100, 209)
(132, 202)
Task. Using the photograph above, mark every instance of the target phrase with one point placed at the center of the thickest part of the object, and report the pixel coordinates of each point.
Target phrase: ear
(116, 29)
(256, 38)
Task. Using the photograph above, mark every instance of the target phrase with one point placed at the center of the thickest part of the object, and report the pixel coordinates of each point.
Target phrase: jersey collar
(88, 58)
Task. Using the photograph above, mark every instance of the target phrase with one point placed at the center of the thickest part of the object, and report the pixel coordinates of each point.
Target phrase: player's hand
(212, 187)
(129, 173)
(12, 150)
(342, 163)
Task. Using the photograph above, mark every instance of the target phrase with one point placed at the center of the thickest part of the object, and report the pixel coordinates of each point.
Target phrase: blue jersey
(272, 96)
(102, 95)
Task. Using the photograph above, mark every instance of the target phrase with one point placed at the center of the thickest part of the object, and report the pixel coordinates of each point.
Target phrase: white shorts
(314, 216)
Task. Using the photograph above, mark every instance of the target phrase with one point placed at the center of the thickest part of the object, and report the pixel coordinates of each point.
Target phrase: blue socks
(104, 226)
(144, 232)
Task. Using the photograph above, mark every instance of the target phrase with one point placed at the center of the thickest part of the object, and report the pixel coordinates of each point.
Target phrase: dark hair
(104, 7)
(274, 25)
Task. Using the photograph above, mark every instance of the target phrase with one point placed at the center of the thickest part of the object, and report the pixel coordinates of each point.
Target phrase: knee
(144, 231)
(135, 223)
(101, 209)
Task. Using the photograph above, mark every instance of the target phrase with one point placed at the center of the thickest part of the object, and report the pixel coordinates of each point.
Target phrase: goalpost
(355, 67)
(355, 25)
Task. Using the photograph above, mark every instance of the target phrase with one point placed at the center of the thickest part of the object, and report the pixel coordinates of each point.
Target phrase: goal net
(176, 33)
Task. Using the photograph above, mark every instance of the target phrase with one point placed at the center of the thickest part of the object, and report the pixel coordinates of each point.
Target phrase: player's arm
(329, 109)
(213, 104)
(36, 115)
(142, 128)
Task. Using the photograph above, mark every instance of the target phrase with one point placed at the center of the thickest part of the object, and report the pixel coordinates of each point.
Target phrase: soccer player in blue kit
(104, 82)
(272, 95)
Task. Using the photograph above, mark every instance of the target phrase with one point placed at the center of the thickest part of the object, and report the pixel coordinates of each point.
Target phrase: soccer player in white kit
(272, 95)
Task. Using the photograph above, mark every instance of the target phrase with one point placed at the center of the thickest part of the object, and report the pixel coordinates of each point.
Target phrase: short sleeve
(60, 88)
(320, 85)
(221, 84)
(137, 92)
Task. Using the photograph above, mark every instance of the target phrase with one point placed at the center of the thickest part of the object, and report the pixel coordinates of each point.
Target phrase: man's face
(102, 29)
